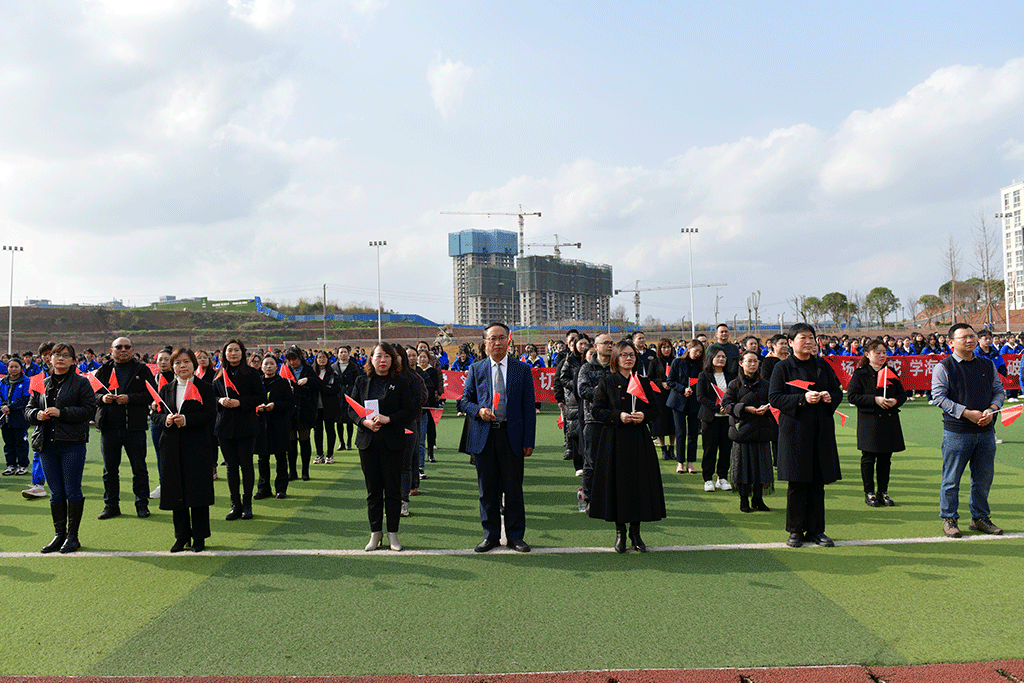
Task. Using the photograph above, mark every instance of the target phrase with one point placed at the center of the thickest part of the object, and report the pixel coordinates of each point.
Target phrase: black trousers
(589, 441)
(717, 449)
(320, 425)
(686, 433)
(805, 507)
(281, 478)
(868, 462)
(299, 443)
(192, 522)
(238, 455)
(382, 472)
(133, 441)
(499, 473)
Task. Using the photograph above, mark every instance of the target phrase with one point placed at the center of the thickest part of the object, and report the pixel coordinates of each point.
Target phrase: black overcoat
(235, 423)
(744, 427)
(878, 431)
(277, 422)
(186, 453)
(807, 431)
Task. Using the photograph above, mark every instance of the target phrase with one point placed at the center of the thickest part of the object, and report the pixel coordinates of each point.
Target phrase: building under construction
(491, 284)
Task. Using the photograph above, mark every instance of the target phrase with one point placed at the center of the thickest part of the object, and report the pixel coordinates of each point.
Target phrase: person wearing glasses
(123, 421)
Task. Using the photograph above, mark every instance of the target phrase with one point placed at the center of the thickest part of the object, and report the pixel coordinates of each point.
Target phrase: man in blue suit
(498, 394)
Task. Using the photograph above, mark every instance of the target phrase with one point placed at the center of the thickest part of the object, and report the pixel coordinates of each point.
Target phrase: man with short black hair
(968, 390)
(722, 343)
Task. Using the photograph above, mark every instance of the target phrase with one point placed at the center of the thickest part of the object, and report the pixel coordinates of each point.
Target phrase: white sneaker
(579, 473)
(405, 509)
(155, 493)
(724, 485)
(709, 486)
(328, 459)
(35, 492)
(999, 440)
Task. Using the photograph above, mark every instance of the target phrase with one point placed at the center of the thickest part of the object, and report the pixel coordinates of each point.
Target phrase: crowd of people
(762, 413)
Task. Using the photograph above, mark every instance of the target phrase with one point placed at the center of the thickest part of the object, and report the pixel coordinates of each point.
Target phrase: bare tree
(755, 301)
(799, 308)
(913, 306)
(854, 307)
(951, 266)
(985, 238)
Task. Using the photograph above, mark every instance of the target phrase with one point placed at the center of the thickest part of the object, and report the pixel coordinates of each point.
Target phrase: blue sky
(254, 147)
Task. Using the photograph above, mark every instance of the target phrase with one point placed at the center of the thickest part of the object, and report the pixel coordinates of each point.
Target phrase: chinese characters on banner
(915, 372)
(543, 384)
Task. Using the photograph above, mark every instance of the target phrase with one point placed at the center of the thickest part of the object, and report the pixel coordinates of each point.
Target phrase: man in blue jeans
(967, 388)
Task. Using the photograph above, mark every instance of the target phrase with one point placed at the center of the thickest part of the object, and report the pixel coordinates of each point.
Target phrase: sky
(239, 148)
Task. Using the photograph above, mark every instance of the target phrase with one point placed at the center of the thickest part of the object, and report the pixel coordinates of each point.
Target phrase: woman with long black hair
(711, 386)
(347, 370)
(304, 415)
(238, 390)
(275, 418)
(327, 407)
(750, 430)
(658, 368)
(683, 404)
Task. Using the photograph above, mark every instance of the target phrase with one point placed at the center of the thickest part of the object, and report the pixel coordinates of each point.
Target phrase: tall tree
(812, 309)
(986, 238)
(855, 306)
(881, 301)
(913, 306)
(931, 304)
(835, 304)
(951, 266)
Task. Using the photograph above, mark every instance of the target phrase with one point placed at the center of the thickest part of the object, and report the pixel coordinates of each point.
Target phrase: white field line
(353, 552)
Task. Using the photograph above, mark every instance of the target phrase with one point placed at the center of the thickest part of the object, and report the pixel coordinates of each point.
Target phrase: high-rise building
(554, 291)
(483, 264)
(1013, 246)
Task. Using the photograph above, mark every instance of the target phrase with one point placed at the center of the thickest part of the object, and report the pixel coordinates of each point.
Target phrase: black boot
(744, 504)
(664, 453)
(59, 512)
(757, 502)
(236, 509)
(306, 449)
(620, 538)
(634, 536)
(246, 507)
(71, 543)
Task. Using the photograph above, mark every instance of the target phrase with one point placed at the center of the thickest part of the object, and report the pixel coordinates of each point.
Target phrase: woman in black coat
(327, 407)
(275, 417)
(714, 421)
(657, 371)
(683, 404)
(239, 391)
(627, 477)
(187, 409)
(879, 433)
(381, 441)
(306, 386)
(750, 430)
(347, 370)
(568, 375)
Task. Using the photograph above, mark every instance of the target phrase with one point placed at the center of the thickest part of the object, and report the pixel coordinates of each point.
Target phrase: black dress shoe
(142, 511)
(199, 546)
(233, 514)
(519, 546)
(282, 494)
(760, 506)
(179, 545)
(820, 540)
(260, 495)
(246, 513)
(110, 512)
(620, 538)
(885, 500)
(796, 539)
(487, 544)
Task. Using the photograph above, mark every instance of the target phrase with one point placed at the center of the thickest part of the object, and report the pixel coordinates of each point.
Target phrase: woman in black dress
(239, 391)
(275, 416)
(879, 432)
(750, 430)
(664, 428)
(627, 478)
(187, 409)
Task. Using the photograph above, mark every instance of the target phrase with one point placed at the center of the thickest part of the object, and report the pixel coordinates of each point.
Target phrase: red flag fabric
(286, 372)
(693, 381)
(561, 421)
(495, 400)
(93, 381)
(408, 431)
(885, 375)
(37, 384)
(1008, 415)
(775, 412)
(198, 371)
(161, 382)
(654, 385)
(719, 394)
(113, 386)
(153, 368)
(435, 415)
(360, 410)
(842, 418)
(800, 384)
(156, 396)
(192, 394)
(228, 384)
(636, 389)
(668, 369)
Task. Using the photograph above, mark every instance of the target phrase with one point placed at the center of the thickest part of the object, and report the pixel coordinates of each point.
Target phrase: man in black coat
(806, 392)
(122, 418)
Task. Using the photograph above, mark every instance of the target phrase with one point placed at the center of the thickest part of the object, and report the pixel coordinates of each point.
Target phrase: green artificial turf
(399, 613)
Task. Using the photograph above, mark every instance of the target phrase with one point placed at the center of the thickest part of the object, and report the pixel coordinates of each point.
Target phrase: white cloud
(262, 15)
(448, 81)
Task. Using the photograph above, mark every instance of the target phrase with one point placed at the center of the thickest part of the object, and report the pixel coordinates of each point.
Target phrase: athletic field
(291, 593)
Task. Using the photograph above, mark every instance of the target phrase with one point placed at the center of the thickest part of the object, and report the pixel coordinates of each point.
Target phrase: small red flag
(495, 400)
(719, 394)
(408, 431)
(885, 375)
(435, 415)
(1008, 415)
(228, 384)
(199, 371)
(38, 383)
(360, 410)
(192, 394)
(842, 418)
(800, 384)
(561, 421)
(668, 369)
(161, 382)
(636, 389)
(156, 396)
(93, 381)
(775, 412)
(153, 368)
(286, 372)
(113, 385)
(693, 381)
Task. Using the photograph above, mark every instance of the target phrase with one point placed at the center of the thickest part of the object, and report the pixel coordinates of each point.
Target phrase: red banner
(915, 372)
(543, 384)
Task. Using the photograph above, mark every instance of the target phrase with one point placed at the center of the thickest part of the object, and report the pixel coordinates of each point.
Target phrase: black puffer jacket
(77, 404)
(567, 375)
(586, 383)
(746, 427)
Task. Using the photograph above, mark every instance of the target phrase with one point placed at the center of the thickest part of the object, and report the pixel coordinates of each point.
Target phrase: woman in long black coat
(627, 477)
(306, 387)
(808, 456)
(275, 416)
(328, 407)
(750, 430)
(658, 371)
(879, 433)
(239, 391)
(186, 452)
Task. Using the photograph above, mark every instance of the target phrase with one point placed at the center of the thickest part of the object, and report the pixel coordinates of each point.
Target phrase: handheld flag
(192, 394)
(360, 410)
(693, 381)
(885, 375)
(668, 369)
(94, 382)
(719, 394)
(561, 421)
(800, 384)
(228, 384)
(112, 385)
(1008, 415)
(161, 382)
(775, 412)
(156, 396)
(842, 418)
(495, 400)
(636, 389)
(37, 384)
(435, 415)
(286, 372)
(408, 431)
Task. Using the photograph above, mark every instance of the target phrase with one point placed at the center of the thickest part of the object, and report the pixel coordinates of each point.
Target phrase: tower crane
(637, 289)
(521, 214)
(556, 245)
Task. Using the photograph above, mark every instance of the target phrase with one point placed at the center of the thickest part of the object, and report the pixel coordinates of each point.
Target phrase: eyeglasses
(627, 355)
(494, 339)
(122, 347)
(66, 356)
(966, 337)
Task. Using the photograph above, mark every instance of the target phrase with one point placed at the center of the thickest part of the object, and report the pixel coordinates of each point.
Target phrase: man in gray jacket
(590, 374)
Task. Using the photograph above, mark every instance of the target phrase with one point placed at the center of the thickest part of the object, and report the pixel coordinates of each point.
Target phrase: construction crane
(521, 214)
(556, 245)
(637, 289)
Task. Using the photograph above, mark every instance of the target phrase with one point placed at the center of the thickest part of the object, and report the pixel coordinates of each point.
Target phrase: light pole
(690, 232)
(1006, 270)
(380, 305)
(10, 307)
